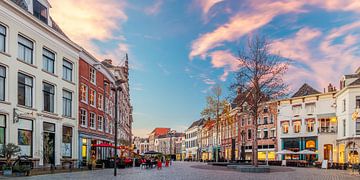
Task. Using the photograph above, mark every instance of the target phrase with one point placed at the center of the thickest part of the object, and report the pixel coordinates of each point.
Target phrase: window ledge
(49, 115)
(50, 73)
(4, 53)
(27, 63)
(25, 107)
(68, 81)
(72, 118)
(83, 126)
(5, 102)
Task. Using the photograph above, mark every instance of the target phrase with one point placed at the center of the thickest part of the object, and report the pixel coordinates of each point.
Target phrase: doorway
(328, 151)
(49, 143)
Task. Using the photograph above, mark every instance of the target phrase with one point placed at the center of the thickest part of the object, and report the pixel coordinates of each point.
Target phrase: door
(49, 148)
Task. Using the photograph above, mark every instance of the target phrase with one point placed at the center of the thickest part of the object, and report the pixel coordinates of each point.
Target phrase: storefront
(299, 144)
(88, 150)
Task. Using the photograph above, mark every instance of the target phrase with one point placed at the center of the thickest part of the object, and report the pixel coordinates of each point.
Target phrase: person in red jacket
(159, 164)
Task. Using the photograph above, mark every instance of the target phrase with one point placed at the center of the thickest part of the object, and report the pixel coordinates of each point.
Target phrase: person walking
(159, 164)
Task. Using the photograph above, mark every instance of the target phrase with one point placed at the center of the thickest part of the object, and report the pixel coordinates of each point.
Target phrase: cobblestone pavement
(198, 171)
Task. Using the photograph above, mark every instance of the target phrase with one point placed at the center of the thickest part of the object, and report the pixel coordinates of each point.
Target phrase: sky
(179, 49)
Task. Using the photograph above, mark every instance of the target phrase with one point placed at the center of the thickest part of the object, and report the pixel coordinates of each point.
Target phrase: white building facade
(38, 82)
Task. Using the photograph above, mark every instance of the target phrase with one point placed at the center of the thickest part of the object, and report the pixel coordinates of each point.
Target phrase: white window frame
(93, 75)
(86, 93)
(81, 118)
(100, 125)
(93, 120)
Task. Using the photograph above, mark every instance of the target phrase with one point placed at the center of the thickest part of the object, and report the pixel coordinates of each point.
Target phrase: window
(25, 49)
(92, 120)
(310, 125)
(285, 127)
(67, 70)
(2, 83)
(83, 118)
(258, 134)
(106, 125)
(297, 126)
(357, 102)
(25, 88)
(344, 127)
(344, 105)
(242, 122)
(84, 93)
(273, 132)
(92, 97)
(249, 135)
(110, 127)
(249, 121)
(266, 110)
(40, 11)
(92, 75)
(266, 133)
(100, 123)
(2, 38)
(327, 125)
(296, 110)
(358, 126)
(2, 130)
(48, 61)
(25, 137)
(67, 103)
(258, 120)
(49, 92)
(310, 108)
(265, 120)
(100, 101)
(67, 142)
(271, 119)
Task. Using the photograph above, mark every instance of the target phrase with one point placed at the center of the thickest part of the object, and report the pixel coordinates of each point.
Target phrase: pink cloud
(226, 60)
(240, 25)
(87, 20)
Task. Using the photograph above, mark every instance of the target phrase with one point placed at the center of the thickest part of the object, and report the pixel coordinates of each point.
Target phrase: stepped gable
(305, 90)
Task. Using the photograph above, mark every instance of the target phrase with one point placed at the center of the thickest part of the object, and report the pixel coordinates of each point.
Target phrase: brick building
(96, 108)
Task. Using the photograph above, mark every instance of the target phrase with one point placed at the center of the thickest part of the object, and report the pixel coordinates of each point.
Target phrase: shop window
(25, 139)
(2, 130)
(310, 144)
(67, 142)
(358, 126)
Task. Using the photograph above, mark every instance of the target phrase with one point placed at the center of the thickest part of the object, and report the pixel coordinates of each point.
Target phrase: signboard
(324, 164)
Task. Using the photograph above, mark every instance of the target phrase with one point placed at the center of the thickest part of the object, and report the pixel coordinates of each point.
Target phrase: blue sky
(179, 49)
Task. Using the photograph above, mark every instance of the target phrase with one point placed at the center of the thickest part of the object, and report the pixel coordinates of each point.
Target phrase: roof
(356, 82)
(305, 90)
(160, 131)
(358, 71)
(197, 123)
(57, 28)
(349, 76)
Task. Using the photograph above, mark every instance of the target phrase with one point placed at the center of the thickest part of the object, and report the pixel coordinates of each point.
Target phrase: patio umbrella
(306, 152)
(103, 145)
(284, 151)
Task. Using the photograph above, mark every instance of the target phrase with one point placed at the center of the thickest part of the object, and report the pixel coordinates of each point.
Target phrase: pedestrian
(159, 164)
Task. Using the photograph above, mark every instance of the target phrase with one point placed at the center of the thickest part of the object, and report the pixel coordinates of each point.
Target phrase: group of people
(149, 163)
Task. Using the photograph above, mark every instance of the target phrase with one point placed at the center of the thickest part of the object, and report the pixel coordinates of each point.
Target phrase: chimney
(330, 88)
(109, 61)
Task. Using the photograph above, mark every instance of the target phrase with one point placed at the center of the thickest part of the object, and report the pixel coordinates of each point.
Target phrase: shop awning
(103, 145)
(285, 152)
(305, 151)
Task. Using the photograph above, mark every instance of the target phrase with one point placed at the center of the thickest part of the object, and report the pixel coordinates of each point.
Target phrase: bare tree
(259, 79)
(213, 107)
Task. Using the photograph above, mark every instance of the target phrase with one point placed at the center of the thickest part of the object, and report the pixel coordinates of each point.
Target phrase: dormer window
(40, 11)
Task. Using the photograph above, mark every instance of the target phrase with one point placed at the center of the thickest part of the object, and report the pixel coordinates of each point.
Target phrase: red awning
(103, 145)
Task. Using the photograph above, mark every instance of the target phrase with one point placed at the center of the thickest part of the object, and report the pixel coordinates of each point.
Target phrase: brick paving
(198, 171)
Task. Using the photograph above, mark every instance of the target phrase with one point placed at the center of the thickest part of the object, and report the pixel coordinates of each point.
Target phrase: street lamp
(171, 134)
(116, 88)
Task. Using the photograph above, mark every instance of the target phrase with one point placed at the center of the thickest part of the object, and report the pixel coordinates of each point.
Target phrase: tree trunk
(255, 146)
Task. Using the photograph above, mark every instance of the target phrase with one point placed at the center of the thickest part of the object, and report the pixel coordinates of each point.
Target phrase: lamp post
(116, 88)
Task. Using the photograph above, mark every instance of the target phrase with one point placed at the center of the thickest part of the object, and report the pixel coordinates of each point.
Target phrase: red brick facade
(102, 87)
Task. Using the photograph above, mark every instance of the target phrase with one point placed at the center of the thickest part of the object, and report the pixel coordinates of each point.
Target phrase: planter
(7, 172)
